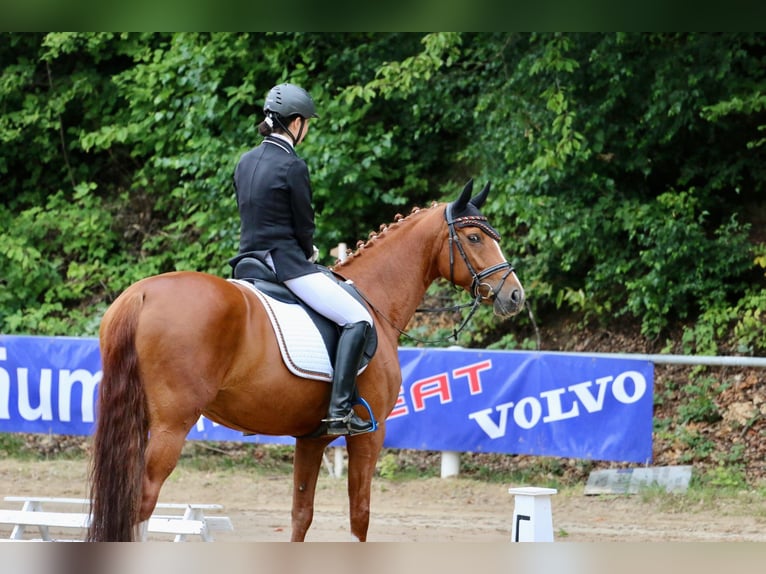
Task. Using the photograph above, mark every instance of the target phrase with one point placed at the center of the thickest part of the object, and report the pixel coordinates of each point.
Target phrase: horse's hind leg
(306, 465)
(162, 454)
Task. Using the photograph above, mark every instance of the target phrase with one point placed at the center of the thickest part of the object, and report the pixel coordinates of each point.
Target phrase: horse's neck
(394, 268)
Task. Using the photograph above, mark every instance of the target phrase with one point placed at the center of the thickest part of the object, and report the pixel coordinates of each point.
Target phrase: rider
(277, 226)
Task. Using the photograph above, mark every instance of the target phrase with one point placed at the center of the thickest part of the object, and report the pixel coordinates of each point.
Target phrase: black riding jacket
(275, 207)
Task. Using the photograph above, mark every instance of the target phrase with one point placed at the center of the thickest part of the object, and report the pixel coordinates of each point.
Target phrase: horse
(182, 344)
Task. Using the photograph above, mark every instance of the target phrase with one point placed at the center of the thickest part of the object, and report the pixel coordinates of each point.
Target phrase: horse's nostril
(516, 296)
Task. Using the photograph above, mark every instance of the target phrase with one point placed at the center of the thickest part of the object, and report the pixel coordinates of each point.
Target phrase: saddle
(308, 341)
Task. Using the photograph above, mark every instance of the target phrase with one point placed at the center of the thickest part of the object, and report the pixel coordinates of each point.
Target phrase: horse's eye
(474, 238)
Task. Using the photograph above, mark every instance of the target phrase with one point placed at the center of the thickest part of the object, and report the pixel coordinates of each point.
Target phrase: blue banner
(463, 400)
(524, 403)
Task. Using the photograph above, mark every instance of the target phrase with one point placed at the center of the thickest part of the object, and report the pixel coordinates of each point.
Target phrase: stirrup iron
(366, 405)
(346, 419)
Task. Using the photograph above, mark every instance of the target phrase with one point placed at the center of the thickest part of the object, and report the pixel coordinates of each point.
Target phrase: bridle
(454, 241)
(480, 290)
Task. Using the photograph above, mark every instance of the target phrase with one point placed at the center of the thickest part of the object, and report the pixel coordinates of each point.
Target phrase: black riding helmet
(289, 100)
(286, 101)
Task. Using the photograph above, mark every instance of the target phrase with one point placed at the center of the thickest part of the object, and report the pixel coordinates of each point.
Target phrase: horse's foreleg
(363, 451)
(162, 454)
(306, 465)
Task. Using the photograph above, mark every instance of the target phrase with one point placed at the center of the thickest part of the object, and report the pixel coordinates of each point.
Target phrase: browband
(477, 221)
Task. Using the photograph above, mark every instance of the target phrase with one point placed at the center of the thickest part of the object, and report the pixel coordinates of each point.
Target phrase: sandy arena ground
(424, 510)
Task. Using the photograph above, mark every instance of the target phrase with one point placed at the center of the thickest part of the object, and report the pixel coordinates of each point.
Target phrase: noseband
(479, 289)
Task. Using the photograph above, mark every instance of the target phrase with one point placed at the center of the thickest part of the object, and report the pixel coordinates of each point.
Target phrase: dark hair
(277, 123)
(264, 128)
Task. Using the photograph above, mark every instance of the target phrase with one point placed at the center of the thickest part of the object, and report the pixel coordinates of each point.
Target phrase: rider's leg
(341, 418)
(327, 298)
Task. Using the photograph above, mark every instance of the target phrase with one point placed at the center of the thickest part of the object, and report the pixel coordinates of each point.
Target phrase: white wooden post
(450, 463)
(532, 519)
(338, 451)
(451, 458)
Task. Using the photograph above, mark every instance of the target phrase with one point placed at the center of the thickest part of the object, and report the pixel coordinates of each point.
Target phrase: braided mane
(375, 236)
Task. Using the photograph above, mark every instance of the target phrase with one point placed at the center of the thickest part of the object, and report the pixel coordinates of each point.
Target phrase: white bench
(193, 521)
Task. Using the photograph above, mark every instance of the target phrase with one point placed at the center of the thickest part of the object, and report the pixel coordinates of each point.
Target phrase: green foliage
(681, 266)
(637, 218)
(695, 445)
(741, 323)
(387, 466)
(698, 402)
(55, 256)
(12, 445)
(724, 477)
(740, 105)
(627, 169)
(749, 325)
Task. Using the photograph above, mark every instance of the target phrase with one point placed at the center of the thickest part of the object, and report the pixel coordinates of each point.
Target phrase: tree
(627, 168)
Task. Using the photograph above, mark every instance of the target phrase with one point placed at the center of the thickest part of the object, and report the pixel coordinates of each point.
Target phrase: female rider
(277, 226)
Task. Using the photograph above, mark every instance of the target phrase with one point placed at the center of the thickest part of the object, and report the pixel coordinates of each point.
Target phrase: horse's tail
(119, 443)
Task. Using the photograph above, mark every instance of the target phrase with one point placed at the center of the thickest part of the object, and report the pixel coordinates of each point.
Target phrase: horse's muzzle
(509, 301)
(507, 295)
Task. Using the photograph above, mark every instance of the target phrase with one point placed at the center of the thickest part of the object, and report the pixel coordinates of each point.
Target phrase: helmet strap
(295, 138)
(300, 131)
(276, 118)
(282, 126)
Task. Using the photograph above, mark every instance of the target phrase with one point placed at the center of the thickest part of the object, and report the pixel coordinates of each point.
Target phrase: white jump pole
(532, 518)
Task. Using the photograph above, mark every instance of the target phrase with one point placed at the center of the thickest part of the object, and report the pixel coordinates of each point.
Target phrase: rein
(455, 331)
(481, 291)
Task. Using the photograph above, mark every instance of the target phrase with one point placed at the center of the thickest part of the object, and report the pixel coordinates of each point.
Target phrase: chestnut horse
(179, 345)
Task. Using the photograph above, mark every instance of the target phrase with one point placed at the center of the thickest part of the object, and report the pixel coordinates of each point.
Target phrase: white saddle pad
(302, 347)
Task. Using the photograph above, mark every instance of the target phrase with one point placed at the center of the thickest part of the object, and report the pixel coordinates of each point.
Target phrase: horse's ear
(479, 200)
(465, 197)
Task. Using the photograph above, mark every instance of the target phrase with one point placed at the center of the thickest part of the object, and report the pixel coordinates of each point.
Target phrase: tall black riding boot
(341, 418)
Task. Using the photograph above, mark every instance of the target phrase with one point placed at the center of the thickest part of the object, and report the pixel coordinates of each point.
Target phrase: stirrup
(366, 405)
(345, 429)
(348, 429)
(343, 420)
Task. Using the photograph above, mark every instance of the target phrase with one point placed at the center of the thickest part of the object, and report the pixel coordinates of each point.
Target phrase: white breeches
(328, 298)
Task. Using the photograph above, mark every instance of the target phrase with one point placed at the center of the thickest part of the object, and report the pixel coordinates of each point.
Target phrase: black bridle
(454, 240)
(477, 283)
